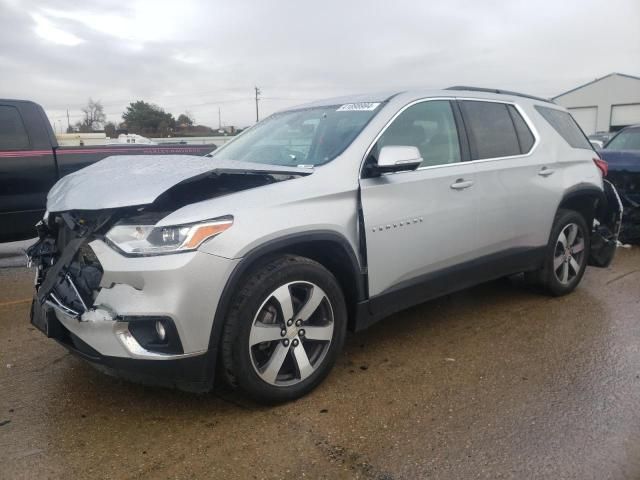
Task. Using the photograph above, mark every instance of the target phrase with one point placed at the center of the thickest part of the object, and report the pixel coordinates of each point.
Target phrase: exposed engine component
(69, 273)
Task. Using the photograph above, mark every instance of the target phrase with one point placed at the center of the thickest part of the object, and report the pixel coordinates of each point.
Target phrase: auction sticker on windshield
(358, 107)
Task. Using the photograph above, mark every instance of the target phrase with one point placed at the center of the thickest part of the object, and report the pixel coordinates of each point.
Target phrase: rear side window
(566, 126)
(525, 137)
(13, 135)
(491, 130)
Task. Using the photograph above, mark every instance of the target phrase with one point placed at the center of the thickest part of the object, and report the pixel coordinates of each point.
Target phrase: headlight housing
(140, 240)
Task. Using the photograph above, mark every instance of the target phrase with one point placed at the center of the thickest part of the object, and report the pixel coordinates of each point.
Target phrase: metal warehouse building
(605, 104)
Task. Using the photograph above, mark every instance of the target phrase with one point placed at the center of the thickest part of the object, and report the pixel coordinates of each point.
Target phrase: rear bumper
(193, 373)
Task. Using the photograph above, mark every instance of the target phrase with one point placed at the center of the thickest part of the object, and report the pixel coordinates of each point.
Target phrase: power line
(207, 103)
(289, 98)
(164, 107)
(257, 98)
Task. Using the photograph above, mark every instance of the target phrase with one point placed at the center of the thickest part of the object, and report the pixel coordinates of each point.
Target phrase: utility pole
(257, 97)
(219, 119)
(68, 122)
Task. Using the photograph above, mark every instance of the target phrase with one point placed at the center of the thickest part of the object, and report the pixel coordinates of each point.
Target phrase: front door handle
(545, 171)
(461, 184)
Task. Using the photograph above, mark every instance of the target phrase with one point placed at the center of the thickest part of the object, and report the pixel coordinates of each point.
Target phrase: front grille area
(74, 269)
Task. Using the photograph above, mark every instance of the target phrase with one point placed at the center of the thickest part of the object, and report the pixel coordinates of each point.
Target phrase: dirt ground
(493, 382)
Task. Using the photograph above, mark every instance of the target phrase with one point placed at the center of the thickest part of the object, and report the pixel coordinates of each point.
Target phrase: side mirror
(396, 158)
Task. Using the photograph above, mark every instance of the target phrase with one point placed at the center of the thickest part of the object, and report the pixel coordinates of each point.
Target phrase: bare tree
(94, 117)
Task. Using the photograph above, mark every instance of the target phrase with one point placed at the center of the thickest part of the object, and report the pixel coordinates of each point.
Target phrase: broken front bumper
(116, 326)
(193, 373)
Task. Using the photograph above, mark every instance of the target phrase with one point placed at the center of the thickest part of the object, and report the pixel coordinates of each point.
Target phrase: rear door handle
(545, 172)
(461, 184)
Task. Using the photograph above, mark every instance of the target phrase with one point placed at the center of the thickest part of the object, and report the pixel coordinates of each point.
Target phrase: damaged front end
(628, 186)
(606, 227)
(68, 270)
(117, 288)
(68, 273)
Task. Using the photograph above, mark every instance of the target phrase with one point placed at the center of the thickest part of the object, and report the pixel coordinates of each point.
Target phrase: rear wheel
(566, 254)
(284, 330)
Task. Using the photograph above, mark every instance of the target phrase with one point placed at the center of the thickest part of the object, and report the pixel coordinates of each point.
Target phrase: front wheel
(284, 330)
(566, 254)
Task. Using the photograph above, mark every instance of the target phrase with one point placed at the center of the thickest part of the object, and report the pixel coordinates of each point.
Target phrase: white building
(604, 104)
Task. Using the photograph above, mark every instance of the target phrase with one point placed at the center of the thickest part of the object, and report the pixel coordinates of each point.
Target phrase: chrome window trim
(520, 110)
(526, 119)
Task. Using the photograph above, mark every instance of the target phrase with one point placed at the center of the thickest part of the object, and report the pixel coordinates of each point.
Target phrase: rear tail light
(602, 165)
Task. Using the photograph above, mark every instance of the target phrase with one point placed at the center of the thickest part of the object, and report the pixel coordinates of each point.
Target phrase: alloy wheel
(291, 333)
(569, 253)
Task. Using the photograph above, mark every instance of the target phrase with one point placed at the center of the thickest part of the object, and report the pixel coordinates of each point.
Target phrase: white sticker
(358, 107)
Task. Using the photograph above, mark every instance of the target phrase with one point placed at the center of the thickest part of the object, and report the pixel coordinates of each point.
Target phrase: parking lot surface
(497, 381)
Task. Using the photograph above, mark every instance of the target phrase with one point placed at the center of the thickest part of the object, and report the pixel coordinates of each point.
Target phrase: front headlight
(152, 240)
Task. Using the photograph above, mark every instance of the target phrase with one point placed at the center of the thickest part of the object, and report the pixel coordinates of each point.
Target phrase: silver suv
(254, 262)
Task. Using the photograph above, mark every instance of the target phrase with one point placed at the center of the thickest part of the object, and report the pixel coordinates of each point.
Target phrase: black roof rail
(502, 92)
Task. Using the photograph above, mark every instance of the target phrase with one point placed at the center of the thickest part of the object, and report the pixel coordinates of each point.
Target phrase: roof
(597, 80)
(413, 94)
(376, 97)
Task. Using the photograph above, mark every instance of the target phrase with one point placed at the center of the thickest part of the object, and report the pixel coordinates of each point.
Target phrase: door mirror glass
(398, 158)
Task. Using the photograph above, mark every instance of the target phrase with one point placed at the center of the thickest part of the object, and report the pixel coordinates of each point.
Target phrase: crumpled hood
(131, 180)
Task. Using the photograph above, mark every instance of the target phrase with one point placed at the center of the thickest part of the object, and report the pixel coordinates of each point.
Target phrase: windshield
(628, 139)
(307, 137)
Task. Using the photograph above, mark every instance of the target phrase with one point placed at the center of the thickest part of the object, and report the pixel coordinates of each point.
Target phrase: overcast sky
(201, 55)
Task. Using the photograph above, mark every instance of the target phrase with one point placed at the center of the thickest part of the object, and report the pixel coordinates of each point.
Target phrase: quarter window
(429, 126)
(13, 135)
(566, 126)
(491, 130)
(525, 137)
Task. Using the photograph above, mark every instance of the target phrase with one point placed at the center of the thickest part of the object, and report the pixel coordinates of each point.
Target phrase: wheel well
(326, 248)
(585, 203)
(334, 258)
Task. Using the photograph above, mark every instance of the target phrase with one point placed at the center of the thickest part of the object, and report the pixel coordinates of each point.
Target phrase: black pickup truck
(31, 162)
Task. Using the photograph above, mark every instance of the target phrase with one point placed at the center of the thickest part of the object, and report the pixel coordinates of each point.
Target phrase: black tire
(547, 277)
(253, 298)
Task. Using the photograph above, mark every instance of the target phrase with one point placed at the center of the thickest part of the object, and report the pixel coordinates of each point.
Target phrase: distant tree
(185, 120)
(148, 119)
(94, 117)
(110, 129)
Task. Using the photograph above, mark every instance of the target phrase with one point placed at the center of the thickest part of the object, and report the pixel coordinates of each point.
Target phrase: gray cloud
(199, 56)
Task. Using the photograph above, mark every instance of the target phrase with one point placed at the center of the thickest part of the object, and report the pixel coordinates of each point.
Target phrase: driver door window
(429, 126)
